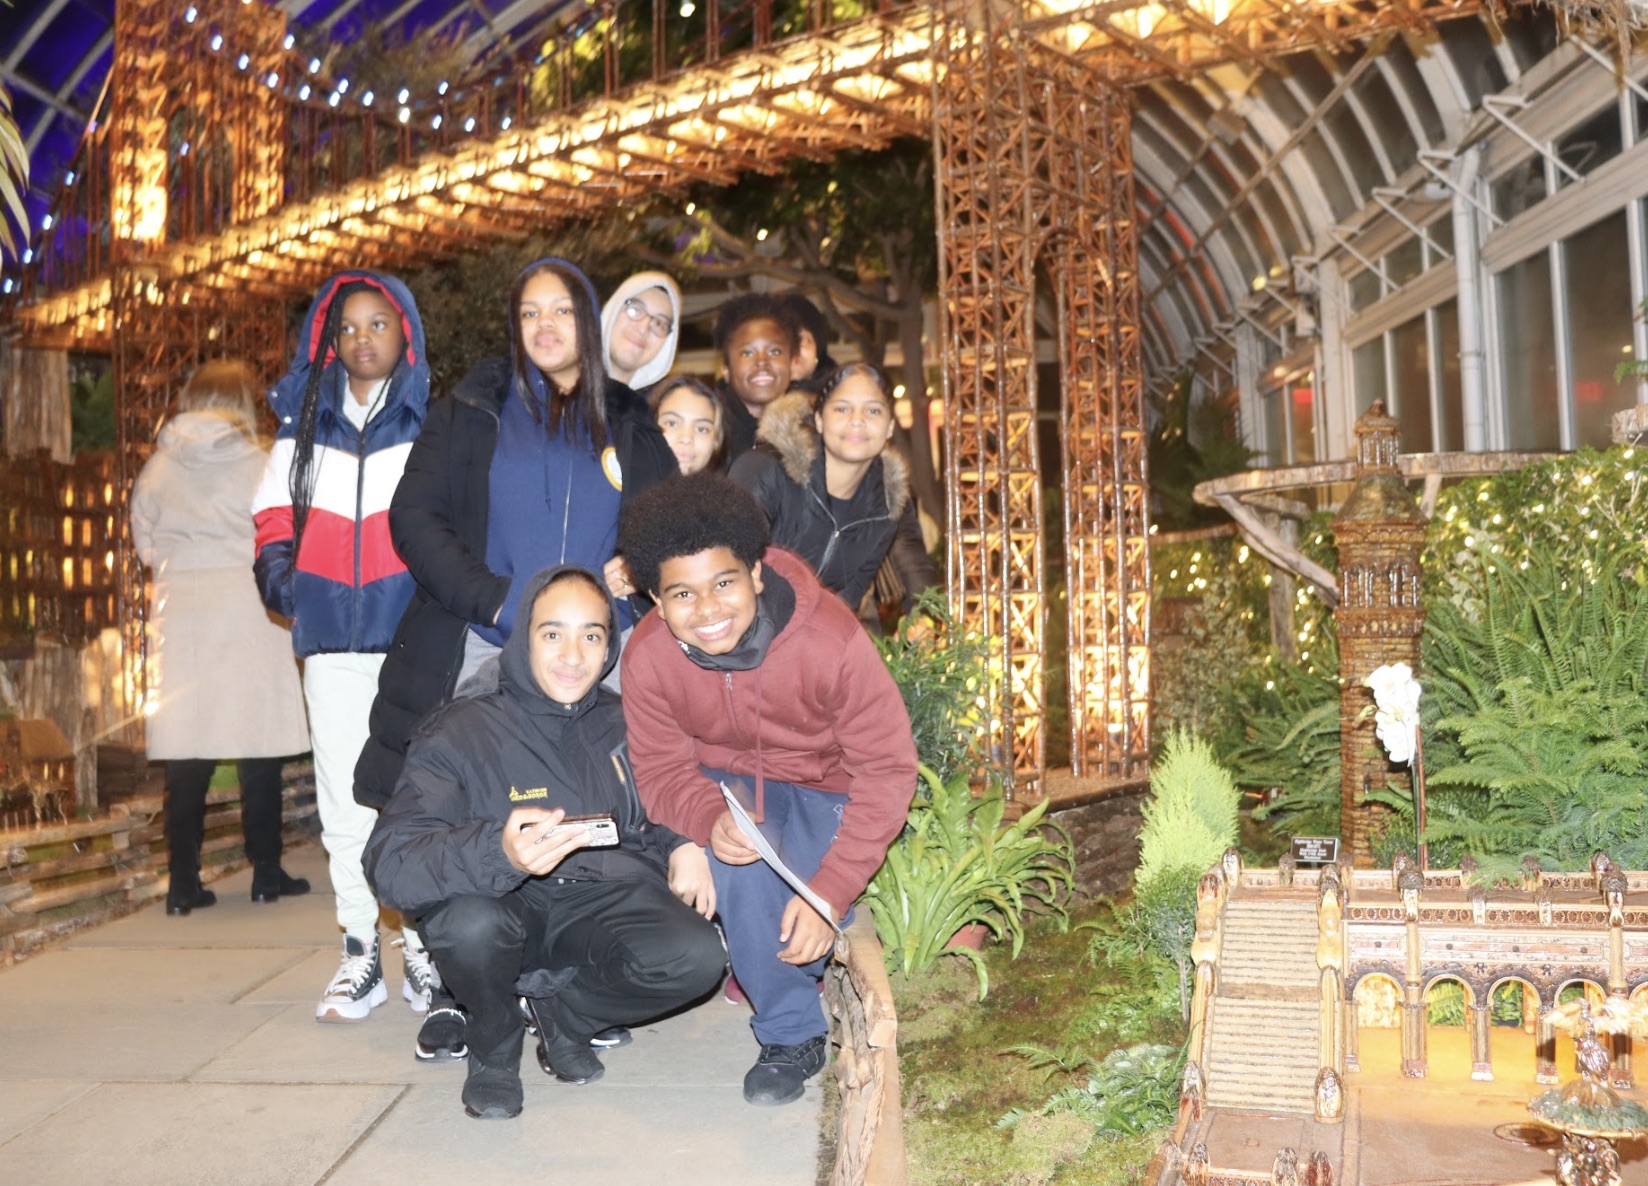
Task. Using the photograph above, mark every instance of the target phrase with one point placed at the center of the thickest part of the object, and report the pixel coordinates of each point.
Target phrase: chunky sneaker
(358, 987)
(780, 1075)
(441, 1037)
(558, 1055)
(492, 1093)
(420, 981)
(608, 1039)
(611, 1038)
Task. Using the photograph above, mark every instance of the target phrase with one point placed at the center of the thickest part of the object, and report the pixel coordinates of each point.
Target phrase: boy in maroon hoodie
(752, 670)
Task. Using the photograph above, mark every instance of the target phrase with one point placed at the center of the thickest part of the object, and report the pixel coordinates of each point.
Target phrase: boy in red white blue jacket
(349, 407)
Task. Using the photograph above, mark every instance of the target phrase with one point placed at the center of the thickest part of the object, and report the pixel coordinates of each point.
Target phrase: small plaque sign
(1315, 850)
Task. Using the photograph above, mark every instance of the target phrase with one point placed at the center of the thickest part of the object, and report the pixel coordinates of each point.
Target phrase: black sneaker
(568, 1060)
(441, 1037)
(612, 1038)
(492, 1093)
(780, 1075)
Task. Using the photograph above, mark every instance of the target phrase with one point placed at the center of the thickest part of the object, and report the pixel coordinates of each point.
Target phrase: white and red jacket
(347, 588)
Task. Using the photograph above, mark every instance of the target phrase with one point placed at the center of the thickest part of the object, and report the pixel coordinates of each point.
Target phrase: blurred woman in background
(224, 681)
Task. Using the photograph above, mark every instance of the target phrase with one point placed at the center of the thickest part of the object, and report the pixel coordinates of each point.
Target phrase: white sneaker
(357, 988)
(421, 977)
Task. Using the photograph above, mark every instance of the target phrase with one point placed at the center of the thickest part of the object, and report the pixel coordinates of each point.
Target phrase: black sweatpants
(187, 781)
(596, 953)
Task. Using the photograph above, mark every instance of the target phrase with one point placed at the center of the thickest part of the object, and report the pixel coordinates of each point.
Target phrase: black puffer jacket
(438, 522)
(502, 745)
(786, 475)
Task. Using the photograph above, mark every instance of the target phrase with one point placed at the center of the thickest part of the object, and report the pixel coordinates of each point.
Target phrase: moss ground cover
(1032, 1054)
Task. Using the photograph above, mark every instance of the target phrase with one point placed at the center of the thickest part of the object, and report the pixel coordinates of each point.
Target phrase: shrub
(941, 674)
(956, 863)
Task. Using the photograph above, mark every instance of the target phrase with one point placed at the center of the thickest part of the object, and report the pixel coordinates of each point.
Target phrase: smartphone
(602, 830)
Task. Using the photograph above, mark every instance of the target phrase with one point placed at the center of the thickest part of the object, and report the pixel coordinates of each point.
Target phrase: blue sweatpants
(801, 822)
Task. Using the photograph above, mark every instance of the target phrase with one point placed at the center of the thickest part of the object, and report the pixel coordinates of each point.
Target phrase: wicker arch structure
(1056, 159)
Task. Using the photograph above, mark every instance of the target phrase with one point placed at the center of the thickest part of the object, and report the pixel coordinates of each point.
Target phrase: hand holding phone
(534, 842)
(600, 830)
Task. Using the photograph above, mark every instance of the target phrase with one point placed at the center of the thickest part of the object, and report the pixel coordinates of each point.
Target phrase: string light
(28, 255)
(314, 65)
(406, 114)
(304, 92)
(332, 99)
(435, 123)
(366, 99)
(243, 61)
(403, 96)
(217, 42)
(190, 13)
(46, 223)
(503, 124)
(273, 80)
(441, 90)
(469, 124)
(343, 86)
(289, 42)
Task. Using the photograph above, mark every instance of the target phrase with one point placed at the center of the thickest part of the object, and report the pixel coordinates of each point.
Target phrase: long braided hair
(325, 344)
(564, 413)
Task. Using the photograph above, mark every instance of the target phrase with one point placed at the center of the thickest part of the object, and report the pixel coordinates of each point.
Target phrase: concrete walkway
(158, 1050)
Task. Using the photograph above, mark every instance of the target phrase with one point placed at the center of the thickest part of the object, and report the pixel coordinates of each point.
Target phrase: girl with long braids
(522, 468)
(349, 408)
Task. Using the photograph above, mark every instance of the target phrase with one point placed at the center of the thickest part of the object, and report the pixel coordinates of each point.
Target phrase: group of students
(461, 576)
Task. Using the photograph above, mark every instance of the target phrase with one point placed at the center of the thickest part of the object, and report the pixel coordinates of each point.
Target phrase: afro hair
(688, 515)
(748, 306)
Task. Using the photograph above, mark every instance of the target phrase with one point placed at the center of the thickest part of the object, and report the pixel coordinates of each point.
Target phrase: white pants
(340, 689)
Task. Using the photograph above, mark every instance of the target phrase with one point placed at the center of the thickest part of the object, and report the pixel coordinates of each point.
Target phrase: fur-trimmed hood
(787, 429)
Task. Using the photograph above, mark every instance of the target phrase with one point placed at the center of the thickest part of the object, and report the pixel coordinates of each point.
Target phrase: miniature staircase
(1262, 1027)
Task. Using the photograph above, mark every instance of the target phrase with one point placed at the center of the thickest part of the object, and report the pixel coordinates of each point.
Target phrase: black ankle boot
(271, 883)
(181, 899)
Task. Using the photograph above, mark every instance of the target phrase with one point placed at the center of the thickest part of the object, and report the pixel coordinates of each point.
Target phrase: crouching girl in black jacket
(510, 904)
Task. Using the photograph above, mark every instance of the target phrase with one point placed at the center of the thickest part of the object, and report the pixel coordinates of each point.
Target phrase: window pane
(1593, 142)
(1599, 326)
(1368, 365)
(1528, 355)
(1301, 397)
(1405, 262)
(1413, 386)
(1520, 188)
(1452, 432)
(1364, 289)
(1441, 233)
(1276, 451)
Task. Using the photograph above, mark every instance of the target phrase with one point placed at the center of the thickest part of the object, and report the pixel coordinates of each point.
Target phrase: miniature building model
(1279, 956)
(1380, 532)
(36, 773)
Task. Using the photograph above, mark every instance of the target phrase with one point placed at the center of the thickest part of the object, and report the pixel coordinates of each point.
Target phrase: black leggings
(187, 780)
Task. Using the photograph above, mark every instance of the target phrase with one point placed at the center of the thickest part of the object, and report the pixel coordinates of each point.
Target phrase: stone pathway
(158, 1050)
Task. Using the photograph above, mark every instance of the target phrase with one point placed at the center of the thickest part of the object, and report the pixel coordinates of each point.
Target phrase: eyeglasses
(636, 311)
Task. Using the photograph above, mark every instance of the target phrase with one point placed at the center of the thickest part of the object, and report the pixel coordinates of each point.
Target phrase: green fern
(1538, 715)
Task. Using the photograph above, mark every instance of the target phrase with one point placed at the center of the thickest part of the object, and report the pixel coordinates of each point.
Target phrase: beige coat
(222, 680)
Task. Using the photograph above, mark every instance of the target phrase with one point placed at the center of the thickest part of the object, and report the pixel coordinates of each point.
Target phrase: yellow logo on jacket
(530, 793)
(610, 467)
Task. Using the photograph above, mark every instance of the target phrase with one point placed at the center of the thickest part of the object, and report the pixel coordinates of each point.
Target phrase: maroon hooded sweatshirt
(820, 711)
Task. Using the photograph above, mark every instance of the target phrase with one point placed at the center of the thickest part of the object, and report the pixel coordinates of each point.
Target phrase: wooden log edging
(870, 1141)
(59, 878)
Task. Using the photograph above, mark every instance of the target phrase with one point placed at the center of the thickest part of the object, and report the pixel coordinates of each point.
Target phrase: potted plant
(960, 862)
